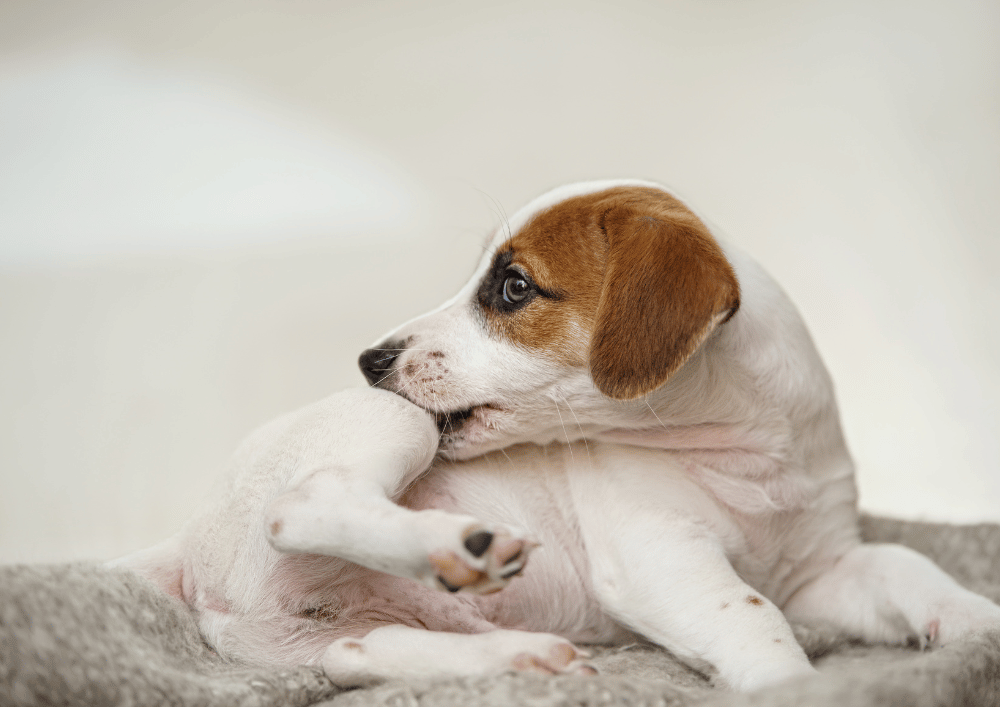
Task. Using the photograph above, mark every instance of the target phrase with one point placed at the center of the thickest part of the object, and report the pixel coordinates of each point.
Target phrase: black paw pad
(444, 583)
(478, 543)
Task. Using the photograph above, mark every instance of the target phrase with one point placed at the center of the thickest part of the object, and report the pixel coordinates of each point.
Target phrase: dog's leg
(660, 568)
(892, 594)
(672, 583)
(401, 652)
(351, 454)
(346, 513)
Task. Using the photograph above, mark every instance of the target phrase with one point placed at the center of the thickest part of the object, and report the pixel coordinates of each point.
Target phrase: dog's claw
(932, 630)
(929, 639)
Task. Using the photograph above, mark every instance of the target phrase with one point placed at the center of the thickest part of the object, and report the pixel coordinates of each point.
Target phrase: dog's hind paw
(562, 658)
(957, 617)
(491, 559)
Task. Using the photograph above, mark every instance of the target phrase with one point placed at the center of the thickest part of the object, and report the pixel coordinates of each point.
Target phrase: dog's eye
(515, 289)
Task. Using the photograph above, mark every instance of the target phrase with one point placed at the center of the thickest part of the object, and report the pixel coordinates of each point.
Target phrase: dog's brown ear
(667, 285)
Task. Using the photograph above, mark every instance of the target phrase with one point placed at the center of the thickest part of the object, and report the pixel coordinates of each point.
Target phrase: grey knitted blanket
(87, 635)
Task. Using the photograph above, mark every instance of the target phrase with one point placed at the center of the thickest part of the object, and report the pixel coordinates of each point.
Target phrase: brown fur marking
(639, 282)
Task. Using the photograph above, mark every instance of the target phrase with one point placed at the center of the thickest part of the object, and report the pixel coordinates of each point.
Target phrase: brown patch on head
(563, 251)
(276, 527)
(632, 283)
(756, 601)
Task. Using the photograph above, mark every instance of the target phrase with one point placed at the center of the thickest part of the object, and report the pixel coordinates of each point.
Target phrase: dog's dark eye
(507, 288)
(515, 289)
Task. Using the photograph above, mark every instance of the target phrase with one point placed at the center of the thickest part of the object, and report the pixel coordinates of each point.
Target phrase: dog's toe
(492, 558)
(562, 658)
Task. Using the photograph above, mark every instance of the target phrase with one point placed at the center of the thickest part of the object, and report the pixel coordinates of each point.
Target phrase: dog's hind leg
(892, 594)
(330, 514)
(401, 652)
(365, 447)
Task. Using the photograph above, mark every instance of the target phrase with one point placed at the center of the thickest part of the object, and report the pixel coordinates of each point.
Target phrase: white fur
(693, 516)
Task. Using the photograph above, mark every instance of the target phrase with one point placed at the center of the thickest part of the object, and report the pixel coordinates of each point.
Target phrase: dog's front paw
(489, 559)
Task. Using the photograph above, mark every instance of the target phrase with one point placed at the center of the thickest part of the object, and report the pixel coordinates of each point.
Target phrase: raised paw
(491, 558)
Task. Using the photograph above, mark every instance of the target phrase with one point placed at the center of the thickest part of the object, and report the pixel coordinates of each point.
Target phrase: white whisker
(646, 400)
(500, 213)
(583, 434)
(565, 432)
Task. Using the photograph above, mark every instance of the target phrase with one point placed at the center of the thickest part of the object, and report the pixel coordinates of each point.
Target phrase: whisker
(503, 215)
(505, 219)
(646, 400)
(565, 432)
(441, 435)
(582, 433)
(382, 379)
(392, 356)
(396, 353)
(441, 432)
(424, 367)
(500, 213)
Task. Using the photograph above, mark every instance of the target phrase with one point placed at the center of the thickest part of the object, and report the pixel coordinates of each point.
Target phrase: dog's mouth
(452, 421)
(449, 423)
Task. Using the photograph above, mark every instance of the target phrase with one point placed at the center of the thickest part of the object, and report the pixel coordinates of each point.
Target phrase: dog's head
(593, 295)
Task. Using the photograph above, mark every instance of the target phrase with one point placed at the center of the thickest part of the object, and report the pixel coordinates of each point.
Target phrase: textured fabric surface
(87, 635)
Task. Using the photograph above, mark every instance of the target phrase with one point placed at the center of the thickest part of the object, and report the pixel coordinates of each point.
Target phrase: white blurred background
(208, 208)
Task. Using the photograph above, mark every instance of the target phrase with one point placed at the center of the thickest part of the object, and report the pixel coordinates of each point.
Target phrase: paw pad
(498, 557)
(478, 542)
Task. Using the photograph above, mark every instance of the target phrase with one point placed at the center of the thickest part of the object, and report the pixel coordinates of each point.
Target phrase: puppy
(615, 387)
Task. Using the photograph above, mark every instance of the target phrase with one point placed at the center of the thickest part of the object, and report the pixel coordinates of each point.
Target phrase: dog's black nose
(376, 363)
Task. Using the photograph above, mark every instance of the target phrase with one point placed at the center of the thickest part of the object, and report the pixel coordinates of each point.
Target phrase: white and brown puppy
(614, 384)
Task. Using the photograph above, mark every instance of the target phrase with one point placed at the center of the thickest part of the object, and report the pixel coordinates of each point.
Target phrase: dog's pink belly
(554, 593)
